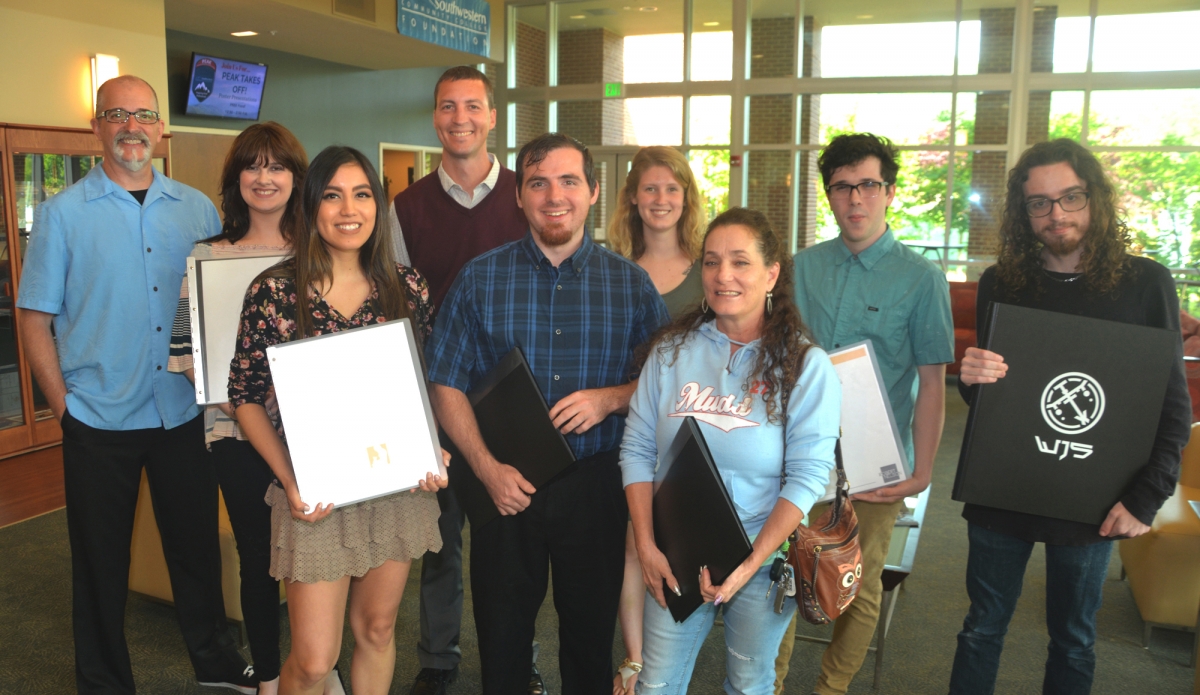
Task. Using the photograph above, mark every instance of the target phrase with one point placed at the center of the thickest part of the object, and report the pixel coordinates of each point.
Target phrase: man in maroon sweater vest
(465, 208)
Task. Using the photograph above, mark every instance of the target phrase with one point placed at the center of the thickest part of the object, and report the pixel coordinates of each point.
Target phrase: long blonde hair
(625, 233)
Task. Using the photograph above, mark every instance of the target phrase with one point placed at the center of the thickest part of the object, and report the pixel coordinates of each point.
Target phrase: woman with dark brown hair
(341, 276)
(769, 405)
(263, 171)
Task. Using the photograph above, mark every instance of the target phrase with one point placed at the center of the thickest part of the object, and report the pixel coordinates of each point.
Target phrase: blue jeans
(1074, 585)
(753, 631)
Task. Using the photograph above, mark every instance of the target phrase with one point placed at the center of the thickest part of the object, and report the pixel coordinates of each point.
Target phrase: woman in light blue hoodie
(769, 405)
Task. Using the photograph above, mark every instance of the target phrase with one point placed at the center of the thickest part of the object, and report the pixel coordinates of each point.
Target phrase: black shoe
(537, 686)
(228, 670)
(433, 681)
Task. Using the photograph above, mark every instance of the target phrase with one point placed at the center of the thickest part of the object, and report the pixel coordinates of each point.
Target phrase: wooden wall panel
(196, 159)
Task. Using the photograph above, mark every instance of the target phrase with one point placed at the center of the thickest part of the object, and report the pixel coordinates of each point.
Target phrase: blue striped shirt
(578, 324)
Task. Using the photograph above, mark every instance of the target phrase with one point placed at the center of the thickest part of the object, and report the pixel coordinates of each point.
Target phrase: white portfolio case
(217, 285)
(356, 413)
(872, 452)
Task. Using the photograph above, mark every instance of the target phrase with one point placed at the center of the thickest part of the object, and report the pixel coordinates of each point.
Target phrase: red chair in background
(962, 306)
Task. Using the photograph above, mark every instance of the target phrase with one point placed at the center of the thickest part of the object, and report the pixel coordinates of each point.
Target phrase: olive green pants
(852, 632)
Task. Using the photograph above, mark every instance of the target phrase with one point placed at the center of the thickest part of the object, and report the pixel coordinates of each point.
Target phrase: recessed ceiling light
(648, 8)
(578, 16)
(756, 57)
(712, 24)
(244, 34)
(864, 16)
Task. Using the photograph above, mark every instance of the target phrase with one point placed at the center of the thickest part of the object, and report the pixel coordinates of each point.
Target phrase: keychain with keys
(776, 574)
(791, 581)
(781, 593)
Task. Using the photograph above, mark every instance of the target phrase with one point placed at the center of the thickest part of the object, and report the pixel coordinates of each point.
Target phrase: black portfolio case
(1065, 431)
(515, 424)
(695, 523)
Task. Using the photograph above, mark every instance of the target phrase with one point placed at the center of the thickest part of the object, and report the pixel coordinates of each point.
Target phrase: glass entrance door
(612, 168)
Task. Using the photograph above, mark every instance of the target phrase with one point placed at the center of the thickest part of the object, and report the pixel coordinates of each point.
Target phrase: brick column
(531, 72)
(769, 173)
(989, 169)
(592, 55)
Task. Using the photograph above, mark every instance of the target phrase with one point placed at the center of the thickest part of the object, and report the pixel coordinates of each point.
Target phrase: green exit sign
(612, 89)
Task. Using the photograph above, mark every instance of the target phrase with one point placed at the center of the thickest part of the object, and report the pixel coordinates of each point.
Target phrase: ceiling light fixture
(578, 16)
(648, 8)
(712, 24)
(864, 16)
(243, 34)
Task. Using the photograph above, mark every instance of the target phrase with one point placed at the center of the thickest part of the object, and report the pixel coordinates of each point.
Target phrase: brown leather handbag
(826, 558)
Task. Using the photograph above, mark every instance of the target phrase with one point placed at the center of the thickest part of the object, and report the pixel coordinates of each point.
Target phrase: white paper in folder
(355, 413)
(217, 284)
(872, 453)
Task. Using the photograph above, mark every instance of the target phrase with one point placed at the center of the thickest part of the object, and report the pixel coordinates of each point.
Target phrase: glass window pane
(986, 36)
(596, 122)
(769, 187)
(769, 119)
(773, 39)
(1072, 27)
(1145, 41)
(883, 40)
(711, 168)
(1066, 116)
(12, 413)
(528, 122)
(712, 40)
(529, 54)
(709, 120)
(965, 204)
(654, 121)
(906, 119)
(1160, 192)
(618, 41)
(918, 213)
(1145, 117)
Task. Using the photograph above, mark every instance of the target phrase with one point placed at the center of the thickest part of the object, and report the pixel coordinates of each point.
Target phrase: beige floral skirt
(352, 539)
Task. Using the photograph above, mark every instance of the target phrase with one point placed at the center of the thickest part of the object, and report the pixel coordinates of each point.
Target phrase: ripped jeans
(753, 632)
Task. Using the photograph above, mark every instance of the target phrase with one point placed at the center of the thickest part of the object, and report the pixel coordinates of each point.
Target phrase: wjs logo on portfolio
(1072, 403)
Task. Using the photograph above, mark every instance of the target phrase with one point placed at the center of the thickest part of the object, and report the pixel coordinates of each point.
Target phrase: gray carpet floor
(36, 651)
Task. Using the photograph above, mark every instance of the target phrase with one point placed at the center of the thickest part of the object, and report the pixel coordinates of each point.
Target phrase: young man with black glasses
(866, 285)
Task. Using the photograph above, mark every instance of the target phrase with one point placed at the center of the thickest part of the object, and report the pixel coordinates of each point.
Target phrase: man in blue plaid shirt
(577, 311)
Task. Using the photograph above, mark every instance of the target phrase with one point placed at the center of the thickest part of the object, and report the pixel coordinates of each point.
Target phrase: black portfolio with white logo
(1066, 430)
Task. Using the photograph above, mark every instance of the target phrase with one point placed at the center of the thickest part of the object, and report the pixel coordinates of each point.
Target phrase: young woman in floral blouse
(342, 276)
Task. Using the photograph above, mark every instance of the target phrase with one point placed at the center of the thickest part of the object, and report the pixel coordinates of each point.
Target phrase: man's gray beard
(133, 165)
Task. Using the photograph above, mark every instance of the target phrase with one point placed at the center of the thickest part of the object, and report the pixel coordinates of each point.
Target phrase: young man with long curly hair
(1064, 248)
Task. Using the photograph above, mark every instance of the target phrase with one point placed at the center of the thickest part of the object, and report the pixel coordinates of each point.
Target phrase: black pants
(574, 525)
(102, 472)
(442, 590)
(244, 478)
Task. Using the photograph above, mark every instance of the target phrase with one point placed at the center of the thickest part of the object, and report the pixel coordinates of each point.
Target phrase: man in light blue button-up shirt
(865, 285)
(104, 265)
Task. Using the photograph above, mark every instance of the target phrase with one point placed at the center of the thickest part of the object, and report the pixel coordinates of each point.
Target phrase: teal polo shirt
(109, 270)
(888, 294)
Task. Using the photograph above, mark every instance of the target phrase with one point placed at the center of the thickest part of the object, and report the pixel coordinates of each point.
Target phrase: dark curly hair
(1104, 262)
(785, 338)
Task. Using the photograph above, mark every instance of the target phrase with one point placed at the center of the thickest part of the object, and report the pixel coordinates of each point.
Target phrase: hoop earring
(768, 303)
(704, 305)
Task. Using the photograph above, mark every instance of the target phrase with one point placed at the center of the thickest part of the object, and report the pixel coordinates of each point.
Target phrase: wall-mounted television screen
(225, 88)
